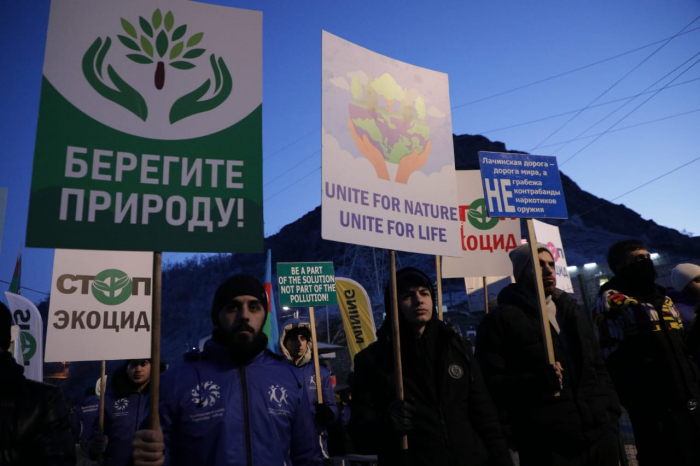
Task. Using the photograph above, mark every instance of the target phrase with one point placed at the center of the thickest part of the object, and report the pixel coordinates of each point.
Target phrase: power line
(570, 71)
(27, 288)
(638, 106)
(576, 110)
(290, 144)
(297, 181)
(292, 168)
(613, 85)
(638, 187)
(623, 128)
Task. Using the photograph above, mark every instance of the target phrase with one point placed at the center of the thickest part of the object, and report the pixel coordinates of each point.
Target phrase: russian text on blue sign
(522, 185)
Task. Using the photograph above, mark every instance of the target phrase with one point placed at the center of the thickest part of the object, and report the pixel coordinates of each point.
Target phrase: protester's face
(693, 288)
(416, 305)
(296, 345)
(139, 371)
(549, 276)
(242, 318)
(634, 256)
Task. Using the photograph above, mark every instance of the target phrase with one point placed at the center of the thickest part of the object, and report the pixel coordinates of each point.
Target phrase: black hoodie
(455, 422)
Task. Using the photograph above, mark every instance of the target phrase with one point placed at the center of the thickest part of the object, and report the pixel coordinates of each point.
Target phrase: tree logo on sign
(28, 345)
(478, 216)
(156, 42)
(112, 287)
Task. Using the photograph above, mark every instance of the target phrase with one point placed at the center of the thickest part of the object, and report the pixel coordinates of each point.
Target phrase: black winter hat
(298, 331)
(237, 285)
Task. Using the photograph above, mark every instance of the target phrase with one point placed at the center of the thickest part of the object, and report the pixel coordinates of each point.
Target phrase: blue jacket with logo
(214, 412)
(84, 416)
(307, 369)
(124, 415)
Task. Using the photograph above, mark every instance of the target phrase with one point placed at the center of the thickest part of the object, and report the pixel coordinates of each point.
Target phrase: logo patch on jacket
(279, 401)
(121, 404)
(206, 395)
(455, 371)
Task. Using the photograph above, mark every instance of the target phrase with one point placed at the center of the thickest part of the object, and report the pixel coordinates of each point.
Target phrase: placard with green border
(306, 284)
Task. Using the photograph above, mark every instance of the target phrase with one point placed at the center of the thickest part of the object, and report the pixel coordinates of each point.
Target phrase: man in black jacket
(578, 427)
(448, 415)
(653, 373)
(34, 417)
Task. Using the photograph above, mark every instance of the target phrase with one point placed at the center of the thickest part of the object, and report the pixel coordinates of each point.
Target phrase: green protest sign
(303, 284)
(150, 129)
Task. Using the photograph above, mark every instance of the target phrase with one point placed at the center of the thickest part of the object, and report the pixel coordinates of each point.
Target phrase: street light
(591, 265)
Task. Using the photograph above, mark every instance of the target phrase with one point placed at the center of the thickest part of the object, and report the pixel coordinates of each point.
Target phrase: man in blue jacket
(238, 404)
(297, 347)
(126, 409)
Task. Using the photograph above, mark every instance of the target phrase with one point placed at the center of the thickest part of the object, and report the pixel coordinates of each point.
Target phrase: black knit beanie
(237, 285)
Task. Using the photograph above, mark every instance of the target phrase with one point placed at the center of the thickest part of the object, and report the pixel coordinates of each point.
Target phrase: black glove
(97, 446)
(324, 414)
(399, 416)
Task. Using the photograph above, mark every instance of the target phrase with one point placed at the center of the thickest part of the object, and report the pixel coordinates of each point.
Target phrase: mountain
(188, 287)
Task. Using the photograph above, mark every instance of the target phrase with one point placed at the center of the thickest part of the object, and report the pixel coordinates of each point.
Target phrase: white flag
(27, 317)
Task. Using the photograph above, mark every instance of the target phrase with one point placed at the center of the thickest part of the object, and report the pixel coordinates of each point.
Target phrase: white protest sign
(388, 177)
(549, 235)
(475, 290)
(31, 334)
(485, 241)
(100, 306)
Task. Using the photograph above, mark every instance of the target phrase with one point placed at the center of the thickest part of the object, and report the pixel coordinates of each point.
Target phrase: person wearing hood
(297, 347)
(237, 403)
(126, 409)
(447, 413)
(34, 416)
(653, 373)
(579, 427)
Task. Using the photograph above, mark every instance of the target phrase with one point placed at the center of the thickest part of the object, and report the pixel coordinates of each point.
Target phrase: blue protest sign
(522, 185)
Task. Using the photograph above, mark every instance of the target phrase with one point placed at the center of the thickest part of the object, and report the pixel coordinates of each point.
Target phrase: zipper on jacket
(246, 417)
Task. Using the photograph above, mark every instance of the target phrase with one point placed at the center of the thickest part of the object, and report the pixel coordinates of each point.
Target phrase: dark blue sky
(487, 48)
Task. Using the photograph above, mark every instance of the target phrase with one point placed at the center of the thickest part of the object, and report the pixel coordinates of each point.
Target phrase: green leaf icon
(157, 18)
(169, 21)
(28, 345)
(112, 287)
(194, 53)
(195, 39)
(145, 26)
(146, 46)
(129, 28)
(177, 50)
(162, 43)
(179, 32)
(182, 65)
(479, 217)
(129, 43)
(139, 58)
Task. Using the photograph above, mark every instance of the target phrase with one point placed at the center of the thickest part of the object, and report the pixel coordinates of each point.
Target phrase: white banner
(549, 235)
(100, 306)
(388, 177)
(485, 241)
(31, 336)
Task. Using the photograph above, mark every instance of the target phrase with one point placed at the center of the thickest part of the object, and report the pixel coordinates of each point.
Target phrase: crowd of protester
(237, 403)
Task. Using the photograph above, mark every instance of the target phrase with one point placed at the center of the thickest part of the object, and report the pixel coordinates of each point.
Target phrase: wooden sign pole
(314, 348)
(438, 274)
(549, 347)
(155, 342)
(102, 398)
(396, 337)
(486, 296)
